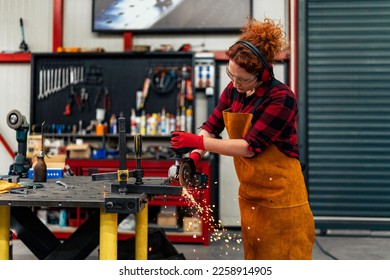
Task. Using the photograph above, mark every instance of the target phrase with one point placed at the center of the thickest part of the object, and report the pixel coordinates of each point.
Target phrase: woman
(260, 114)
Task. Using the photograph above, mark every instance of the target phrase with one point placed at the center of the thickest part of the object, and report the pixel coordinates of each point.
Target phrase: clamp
(130, 192)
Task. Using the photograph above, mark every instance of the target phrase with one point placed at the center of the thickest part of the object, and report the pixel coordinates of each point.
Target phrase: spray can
(172, 123)
(133, 123)
(163, 128)
(113, 124)
(183, 118)
(143, 123)
(167, 125)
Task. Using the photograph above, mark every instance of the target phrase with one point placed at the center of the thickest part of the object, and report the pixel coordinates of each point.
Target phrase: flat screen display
(168, 16)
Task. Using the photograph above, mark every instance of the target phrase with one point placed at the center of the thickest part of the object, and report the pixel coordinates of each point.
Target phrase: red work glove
(181, 140)
(196, 157)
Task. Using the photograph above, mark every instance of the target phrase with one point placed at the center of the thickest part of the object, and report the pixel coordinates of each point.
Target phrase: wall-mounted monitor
(170, 16)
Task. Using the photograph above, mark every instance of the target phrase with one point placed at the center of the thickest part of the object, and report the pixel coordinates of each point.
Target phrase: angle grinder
(18, 122)
(184, 171)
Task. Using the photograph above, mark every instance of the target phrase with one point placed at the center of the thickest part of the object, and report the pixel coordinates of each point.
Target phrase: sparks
(198, 207)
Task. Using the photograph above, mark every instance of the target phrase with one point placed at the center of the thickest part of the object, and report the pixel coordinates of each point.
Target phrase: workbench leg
(4, 232)
(108, 243)
(141, 234)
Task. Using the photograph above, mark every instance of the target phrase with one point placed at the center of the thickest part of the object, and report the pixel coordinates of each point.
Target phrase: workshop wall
(38, 22)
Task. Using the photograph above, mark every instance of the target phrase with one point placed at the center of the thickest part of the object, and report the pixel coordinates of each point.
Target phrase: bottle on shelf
(133, 122)
(113, 124)
(189, 119)
(63, 218)
(172, 123)
(163, 126)
(143, 123)
(183, 118)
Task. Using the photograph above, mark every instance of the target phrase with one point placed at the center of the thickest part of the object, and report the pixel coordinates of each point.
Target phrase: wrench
(64, 185)
(41, 95)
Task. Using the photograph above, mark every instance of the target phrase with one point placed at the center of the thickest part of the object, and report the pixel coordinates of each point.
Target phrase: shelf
(15, 57)
(94, 136)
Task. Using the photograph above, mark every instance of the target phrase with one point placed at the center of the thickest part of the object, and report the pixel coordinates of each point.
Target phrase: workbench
(100, 229)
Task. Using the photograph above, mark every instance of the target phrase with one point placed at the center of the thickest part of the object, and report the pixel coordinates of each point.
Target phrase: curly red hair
(267, 36)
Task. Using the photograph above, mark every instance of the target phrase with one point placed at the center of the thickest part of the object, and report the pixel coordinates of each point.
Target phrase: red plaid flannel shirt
(274, 120)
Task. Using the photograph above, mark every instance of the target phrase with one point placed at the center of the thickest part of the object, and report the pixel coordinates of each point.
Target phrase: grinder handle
(122, 142)
(137, 145)
(138, 149)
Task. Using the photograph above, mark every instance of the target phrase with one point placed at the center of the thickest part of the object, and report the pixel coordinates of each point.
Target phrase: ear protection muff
(260, 56)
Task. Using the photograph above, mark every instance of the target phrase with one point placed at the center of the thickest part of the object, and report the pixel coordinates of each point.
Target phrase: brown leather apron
(276, 219)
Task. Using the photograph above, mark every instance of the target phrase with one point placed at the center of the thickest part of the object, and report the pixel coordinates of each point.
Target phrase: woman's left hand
(181, 139)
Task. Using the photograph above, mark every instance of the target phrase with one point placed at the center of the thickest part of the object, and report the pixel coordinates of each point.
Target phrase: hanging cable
(324, 251)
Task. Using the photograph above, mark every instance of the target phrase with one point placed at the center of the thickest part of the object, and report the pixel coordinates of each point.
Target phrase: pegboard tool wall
(122, 74)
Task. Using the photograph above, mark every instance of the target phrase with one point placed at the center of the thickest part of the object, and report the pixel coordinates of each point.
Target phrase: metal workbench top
(83, 193)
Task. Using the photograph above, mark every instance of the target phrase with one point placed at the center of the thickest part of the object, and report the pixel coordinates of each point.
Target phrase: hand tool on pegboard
(40, 85)
(102, 97)
(189, 93)
(77, 98)
(107, 99)
(182, 87)
(84, 96)
(163, 79)
(69, 102)
(145, 89)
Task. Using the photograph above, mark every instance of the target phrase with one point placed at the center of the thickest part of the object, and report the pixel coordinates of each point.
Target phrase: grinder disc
(14, 119)
(186, 173)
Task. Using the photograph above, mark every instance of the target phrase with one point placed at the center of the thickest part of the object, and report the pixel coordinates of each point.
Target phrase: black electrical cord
(324, 251)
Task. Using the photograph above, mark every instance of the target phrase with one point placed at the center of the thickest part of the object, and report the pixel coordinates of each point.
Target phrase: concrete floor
(343, 245)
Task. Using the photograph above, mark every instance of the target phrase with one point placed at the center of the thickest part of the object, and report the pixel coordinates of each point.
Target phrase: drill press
(21, 165)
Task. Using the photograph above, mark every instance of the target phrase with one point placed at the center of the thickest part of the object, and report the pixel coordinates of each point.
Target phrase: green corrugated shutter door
(348, 108)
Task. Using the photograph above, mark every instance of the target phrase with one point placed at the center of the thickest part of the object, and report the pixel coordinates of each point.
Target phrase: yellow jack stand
(141, 234)
(4, 232)
(108, 236)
